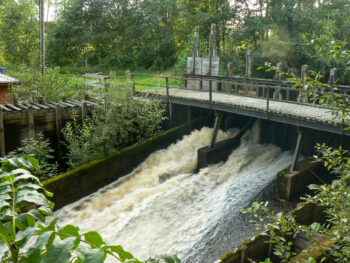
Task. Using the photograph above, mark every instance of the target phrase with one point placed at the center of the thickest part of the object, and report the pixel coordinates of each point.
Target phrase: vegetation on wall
(40, 149)
(126, 121)
(333, 198)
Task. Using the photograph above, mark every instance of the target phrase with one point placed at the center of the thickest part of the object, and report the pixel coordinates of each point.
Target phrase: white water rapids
(163, 206)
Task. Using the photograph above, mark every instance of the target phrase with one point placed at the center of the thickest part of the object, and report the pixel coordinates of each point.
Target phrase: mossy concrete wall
(292, 184)
(257, 249)
(86, 179)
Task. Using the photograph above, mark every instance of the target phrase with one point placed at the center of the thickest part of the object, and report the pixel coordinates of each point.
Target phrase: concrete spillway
(163, 206)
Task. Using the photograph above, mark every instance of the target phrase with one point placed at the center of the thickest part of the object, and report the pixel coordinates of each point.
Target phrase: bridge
(267, 99)
(274, 100)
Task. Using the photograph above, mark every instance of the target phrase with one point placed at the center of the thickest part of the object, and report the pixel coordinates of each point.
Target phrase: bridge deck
(304, 115)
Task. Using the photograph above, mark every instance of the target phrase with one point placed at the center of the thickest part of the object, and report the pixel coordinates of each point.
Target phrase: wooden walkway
(15, 112)
(304, 115)
(30, 114)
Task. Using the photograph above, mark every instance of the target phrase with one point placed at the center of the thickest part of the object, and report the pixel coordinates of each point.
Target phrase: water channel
(165, 207)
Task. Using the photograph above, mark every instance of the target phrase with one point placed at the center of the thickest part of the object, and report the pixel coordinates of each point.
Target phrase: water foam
(163, 207)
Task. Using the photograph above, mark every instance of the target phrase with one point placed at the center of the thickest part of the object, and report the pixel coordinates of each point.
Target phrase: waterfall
(164, 206)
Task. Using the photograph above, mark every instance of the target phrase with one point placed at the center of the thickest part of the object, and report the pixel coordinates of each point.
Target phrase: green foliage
(126, 121)
(53, 86)
(39, 148)
(19, 31)
(333, 198)
(23, 209)
(281, 229)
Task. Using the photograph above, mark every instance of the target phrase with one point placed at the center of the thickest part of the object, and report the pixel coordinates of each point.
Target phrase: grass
(148, 82)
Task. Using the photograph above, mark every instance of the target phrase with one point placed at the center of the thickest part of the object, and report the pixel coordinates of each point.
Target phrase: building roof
(7, 79)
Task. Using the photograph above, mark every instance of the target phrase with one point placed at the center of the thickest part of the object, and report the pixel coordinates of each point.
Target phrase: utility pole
(42, 36)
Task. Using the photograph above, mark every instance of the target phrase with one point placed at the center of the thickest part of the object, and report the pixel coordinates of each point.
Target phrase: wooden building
(5, 88)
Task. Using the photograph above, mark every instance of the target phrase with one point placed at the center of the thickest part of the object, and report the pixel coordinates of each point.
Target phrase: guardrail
(268, 89)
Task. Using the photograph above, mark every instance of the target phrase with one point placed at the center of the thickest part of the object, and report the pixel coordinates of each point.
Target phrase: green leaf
(33, 161)
(315, 226)
(163, 258)
(121, 252)
(26, 196)
(24, 236)
(93, 238)
(59, 252)
(33, 254)
(94, 256)
(69, 230)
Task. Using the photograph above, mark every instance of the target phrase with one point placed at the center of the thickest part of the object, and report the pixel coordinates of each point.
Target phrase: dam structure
(166, 206)
(186, 198)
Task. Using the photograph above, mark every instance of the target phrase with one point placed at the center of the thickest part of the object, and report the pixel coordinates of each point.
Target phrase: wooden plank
(13, 107)
(4, 108)
(93, 85)
(74, 103)
(41, 106)
(2, 134)
(88, 75)
(68, 104)
(34, 107)
(31, 128)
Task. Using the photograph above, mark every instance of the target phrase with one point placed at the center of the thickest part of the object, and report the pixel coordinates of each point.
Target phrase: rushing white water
(164, 207)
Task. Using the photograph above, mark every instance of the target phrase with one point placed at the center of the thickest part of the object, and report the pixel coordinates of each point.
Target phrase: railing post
(31, 127)
(84, 87)
(304, 74)
(248, 70)
(167, 87)
(210, 93)
(133, 86)
(211, 55)
(332, 79)
(229, 74)
(83, 111)
(105, 93)
(195, 48)
(2, 135)
(267, 102)
(278, 94)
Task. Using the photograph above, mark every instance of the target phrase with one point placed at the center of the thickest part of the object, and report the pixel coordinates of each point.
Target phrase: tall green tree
(19, 31)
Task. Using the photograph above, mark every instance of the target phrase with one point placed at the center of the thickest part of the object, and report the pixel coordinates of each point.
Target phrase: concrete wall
(88, 178)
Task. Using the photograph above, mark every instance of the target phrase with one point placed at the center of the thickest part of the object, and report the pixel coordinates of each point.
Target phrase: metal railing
(268, 89)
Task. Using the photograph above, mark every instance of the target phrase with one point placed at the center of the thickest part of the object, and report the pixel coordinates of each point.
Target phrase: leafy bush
(39, 148)
(23, 210)
(335, 197)
(126, 121)
(53, 86)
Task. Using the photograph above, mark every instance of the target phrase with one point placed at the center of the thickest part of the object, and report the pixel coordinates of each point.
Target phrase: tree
(19, 28)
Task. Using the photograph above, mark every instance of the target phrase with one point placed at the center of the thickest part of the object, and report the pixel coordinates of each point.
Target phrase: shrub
(53, 86)
(39, 148)
(126, 121)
